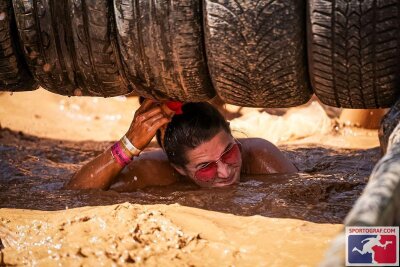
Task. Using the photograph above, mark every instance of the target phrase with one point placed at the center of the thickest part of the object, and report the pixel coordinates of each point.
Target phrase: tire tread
(161, 44)
(352, 39)
(14, 73)
(97, 60)
(38, 29)
(251, 50)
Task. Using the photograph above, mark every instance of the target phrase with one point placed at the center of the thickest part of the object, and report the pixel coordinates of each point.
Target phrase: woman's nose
(223, 170)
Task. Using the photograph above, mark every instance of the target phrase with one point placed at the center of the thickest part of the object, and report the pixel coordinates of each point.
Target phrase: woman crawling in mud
(196, 143)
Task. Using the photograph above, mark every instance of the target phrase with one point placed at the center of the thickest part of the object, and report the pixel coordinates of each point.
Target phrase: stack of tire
(265, 53)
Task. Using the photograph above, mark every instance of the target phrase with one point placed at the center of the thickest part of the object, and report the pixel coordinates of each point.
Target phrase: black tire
(162, 48)
(354, 52)
(14, 73)
(256, 51)
(41, 29)
(97, 60)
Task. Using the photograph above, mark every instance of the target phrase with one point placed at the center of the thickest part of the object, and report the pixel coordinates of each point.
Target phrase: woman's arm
(100, 172)
(261, 157)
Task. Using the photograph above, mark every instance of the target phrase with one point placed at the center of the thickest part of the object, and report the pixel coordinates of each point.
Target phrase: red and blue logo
(372, 246)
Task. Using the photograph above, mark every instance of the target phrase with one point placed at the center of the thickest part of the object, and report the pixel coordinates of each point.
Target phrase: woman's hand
(147, 120)
(101, 171)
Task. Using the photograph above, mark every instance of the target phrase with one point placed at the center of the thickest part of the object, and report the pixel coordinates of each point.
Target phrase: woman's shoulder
(261, 156)
(255, 143)
(253, 139)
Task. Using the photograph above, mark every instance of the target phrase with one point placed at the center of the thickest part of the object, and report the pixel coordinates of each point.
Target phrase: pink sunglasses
(207, 173)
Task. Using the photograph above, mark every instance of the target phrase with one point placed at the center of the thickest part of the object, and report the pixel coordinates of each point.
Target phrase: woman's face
(214, 163)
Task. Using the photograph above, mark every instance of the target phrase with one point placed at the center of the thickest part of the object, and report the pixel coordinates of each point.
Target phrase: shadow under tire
(14, 73)
(354, 52)
(256, 51)
(162, 50)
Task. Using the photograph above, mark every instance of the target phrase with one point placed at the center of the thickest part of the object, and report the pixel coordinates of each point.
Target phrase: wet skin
(152, 168)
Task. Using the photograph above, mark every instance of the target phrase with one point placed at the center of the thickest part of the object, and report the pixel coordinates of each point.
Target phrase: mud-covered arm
(262, 157)
(100, 172)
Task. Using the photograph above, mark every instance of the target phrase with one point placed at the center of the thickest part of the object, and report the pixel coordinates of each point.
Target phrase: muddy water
(33, 171)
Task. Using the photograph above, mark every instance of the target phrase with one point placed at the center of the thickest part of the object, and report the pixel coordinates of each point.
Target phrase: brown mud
(33, 171)
(159, 235)
(269, 220)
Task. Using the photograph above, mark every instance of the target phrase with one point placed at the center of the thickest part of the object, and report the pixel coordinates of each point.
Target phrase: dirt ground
(129, 233)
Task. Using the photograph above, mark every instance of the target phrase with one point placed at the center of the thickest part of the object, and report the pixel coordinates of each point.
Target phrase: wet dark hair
(199, 123)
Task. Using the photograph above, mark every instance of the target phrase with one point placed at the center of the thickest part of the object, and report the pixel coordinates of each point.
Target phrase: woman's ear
(179, 169)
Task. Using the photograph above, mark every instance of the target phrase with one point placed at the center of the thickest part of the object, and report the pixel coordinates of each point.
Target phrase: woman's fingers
(147, 107)
(147, 120)
(141, 117)
(158, 123)
(167, 111)
(154, 111)
(142, 132)
(154, 118)
(147, 103)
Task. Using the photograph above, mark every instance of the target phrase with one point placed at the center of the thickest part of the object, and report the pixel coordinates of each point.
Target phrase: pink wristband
(119, 155)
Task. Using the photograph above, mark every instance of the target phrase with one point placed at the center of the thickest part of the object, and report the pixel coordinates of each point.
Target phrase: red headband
(175, 106)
